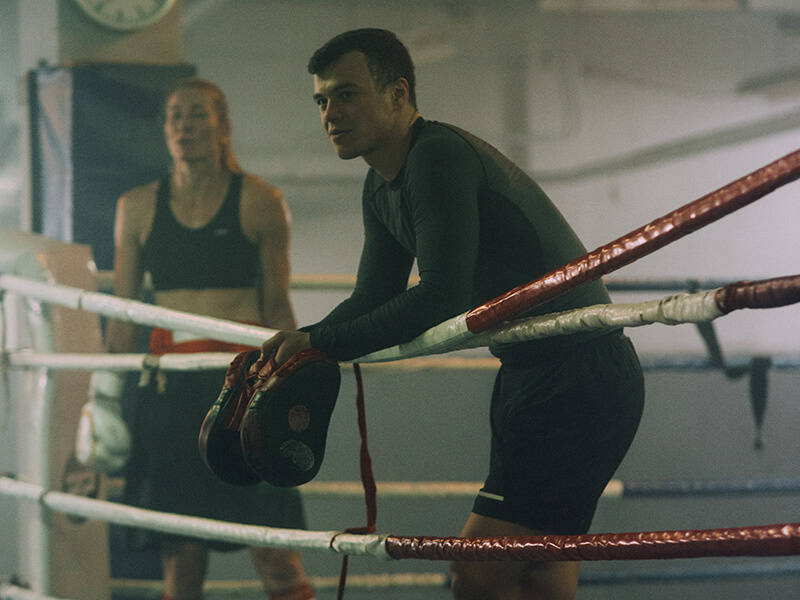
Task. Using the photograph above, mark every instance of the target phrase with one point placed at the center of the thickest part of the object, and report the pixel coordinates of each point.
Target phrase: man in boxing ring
(564, 410)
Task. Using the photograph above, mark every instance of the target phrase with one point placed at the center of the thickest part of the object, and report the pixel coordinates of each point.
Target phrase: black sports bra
(217, 255)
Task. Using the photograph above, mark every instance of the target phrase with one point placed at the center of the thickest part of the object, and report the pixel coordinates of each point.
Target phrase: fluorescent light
(638, 5)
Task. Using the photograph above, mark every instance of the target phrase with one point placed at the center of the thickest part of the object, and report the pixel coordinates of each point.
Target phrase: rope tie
(151, 367)
(757, 370)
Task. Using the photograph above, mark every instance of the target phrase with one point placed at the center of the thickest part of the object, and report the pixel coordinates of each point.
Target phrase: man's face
(355, 115)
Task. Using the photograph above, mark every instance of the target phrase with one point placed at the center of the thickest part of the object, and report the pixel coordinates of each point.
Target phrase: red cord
(367, 478)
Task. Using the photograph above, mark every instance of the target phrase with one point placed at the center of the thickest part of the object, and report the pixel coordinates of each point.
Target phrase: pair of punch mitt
(271, 422)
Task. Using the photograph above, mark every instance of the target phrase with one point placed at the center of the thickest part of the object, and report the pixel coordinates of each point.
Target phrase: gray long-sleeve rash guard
(478, 227)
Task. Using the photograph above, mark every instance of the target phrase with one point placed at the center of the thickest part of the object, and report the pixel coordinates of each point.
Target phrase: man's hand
(285, 344)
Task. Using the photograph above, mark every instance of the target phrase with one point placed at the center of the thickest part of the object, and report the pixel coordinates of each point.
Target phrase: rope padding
(769, 293)
(638, 243)
(766, 540)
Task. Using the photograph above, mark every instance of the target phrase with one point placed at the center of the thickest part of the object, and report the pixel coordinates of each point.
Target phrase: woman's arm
(134, 212)
(266, 220)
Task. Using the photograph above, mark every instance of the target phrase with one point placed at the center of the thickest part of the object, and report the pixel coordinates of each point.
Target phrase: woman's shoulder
(262, 207)
(141, 197)
(257, 190)
(137, 205)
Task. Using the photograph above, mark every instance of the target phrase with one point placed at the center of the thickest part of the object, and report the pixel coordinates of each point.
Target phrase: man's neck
(390, 158)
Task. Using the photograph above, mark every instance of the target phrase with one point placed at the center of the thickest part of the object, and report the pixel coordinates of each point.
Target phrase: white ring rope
(454, 335)
(135, 311)
(198, 361)
(250, 535)
(446, 337)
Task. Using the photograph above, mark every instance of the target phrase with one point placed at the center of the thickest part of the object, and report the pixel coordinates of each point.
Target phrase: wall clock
(125, 15)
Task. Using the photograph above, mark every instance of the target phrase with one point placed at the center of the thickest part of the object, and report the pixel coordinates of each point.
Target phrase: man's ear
(399, 92)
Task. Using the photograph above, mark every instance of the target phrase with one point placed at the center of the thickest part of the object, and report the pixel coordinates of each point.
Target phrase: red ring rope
(765, 540)
(636, 244)
(767, 293)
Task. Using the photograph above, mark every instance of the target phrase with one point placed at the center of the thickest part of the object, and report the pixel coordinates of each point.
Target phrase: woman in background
(215, 241)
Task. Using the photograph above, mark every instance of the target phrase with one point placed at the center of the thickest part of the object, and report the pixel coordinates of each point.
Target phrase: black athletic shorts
(560, 429)
(167, 473)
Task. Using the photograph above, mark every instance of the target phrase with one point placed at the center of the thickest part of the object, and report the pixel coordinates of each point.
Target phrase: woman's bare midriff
(237, 304)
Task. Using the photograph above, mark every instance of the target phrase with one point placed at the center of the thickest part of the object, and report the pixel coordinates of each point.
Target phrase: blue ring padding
(755, 570)
(664, 285)
(687, 487)
(701, 363)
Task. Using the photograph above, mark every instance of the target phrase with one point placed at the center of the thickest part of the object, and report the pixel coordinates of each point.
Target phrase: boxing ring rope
(759, 540)
(483, 323)
(29, 359)
(616, 488)
(605, 259)
(446, 337)
(768, 539)
(251, 535)
(638, 243)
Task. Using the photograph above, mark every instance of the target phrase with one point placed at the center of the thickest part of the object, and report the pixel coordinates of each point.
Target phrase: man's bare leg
(474, 580)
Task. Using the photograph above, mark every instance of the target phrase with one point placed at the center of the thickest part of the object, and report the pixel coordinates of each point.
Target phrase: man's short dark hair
(387, 58)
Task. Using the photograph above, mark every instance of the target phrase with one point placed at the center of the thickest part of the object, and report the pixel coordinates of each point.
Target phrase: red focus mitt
(271, 423)
(219, 435)
(285, 427)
